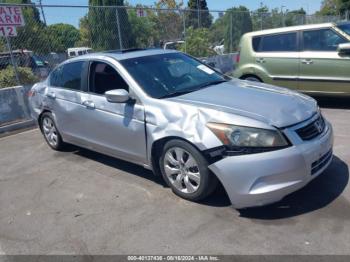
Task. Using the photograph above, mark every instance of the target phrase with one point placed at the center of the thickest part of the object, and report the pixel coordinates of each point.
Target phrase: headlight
(240, 136)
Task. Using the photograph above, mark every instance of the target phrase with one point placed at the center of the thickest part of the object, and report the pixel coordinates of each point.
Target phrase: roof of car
(125, 54)
(290, 28)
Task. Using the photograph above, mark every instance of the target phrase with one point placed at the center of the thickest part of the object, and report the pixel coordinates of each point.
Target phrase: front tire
(186, 171)
(50, 132)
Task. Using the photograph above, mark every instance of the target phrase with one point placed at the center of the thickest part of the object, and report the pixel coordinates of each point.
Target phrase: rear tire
(50, 132)
(186, 171)
(252, 79)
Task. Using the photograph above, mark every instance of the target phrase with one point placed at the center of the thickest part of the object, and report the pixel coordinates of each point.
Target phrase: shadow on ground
(319, 193)
(333, 102)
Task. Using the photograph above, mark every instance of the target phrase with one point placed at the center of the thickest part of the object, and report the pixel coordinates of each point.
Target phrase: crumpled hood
(272, 105)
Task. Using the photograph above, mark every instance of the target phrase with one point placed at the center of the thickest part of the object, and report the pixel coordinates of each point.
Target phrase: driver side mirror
(344, 49)
(117, 96)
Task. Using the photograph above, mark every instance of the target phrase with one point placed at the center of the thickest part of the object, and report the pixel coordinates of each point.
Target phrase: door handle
(51, 95)
(307, 61)
(260, 60)
(88, 104)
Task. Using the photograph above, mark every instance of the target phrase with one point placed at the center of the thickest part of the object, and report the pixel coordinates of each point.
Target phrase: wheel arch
(40, 116)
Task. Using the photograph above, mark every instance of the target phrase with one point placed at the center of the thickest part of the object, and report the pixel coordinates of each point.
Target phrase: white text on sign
(8, 31)
(11, 16)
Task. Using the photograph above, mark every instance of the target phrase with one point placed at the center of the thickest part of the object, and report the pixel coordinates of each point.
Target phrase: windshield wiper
(206, 84)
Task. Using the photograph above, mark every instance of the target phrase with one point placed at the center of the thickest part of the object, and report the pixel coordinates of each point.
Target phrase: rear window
(68, 76)
(279, 43)
(256, 43)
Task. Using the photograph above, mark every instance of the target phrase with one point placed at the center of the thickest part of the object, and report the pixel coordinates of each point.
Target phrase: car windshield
(171, 74)
(345, 28)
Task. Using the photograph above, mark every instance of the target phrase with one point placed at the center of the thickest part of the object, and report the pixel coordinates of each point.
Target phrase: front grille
(321, 162)
(312, 130)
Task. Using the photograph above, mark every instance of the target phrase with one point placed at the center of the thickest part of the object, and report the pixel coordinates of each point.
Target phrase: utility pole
(42, 11)
(199, 15)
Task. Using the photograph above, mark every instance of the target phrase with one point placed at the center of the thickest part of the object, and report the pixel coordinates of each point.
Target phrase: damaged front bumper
(264, 178)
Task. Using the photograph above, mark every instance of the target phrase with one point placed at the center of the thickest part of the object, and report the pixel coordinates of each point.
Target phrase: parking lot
(80, 202)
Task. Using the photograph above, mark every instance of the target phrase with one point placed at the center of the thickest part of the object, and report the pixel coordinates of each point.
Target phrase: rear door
(322, 69)
(278, 57)
(67, 85)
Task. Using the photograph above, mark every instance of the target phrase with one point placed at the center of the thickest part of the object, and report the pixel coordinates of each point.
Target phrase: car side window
(256, 43)
(286, 42)
(104, 77)
(322, 40)
(68, 76)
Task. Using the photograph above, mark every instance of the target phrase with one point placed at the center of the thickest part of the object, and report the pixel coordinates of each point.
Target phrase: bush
(197, 43)
(8, 76)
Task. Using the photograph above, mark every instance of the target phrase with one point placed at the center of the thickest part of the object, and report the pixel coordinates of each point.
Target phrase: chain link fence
(52, 34)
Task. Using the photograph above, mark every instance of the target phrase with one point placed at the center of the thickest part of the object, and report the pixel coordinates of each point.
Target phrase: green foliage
(330, 7)
(103, 25)
(295, 17)
(62, 36)
(238, 22)
(8, 76)
(344, 6)
(84, 33)
(168, 23)
(144, 29)
(197, 19)
(197, 42)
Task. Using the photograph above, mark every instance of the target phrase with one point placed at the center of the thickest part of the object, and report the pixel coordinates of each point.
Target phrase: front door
(322, 69)
(116, 129)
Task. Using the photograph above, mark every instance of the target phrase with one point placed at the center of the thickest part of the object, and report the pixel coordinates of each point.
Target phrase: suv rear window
(286, 42)
(256, 43)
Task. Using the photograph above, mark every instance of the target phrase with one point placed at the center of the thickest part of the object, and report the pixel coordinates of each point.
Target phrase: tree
(344, 7)
(197, 42)
(144, 29)
(104, 27)
(199, 18)
(238, 22)
(295, 17)
(169, 23)
(330, 7)
(62, 36)
(84, 33)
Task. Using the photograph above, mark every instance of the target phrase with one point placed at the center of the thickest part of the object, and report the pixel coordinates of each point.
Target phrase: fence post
(13, 61)
(184, 24)
(231, 28)
(119, 33)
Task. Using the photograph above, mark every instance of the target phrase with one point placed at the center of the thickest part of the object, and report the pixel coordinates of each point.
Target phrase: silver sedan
(172, 114)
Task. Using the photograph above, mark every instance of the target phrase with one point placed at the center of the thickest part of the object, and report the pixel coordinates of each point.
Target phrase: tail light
(238, 56)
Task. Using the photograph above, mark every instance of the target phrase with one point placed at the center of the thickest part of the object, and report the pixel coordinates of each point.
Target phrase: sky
(72, 15)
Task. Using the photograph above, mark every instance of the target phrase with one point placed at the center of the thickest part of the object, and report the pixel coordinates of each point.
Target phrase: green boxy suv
(309, 58)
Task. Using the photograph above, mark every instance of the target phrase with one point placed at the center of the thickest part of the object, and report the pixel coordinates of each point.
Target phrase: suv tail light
(238, 56)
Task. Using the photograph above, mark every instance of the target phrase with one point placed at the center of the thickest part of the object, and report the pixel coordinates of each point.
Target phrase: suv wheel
(186, 171)
(252, 78)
